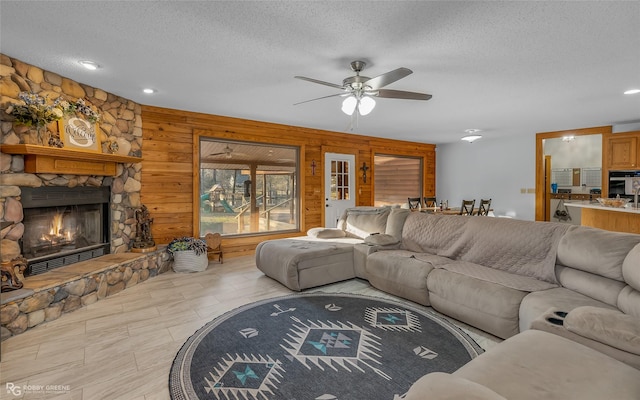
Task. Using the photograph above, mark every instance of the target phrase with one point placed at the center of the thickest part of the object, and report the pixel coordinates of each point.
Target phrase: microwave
(623, 183)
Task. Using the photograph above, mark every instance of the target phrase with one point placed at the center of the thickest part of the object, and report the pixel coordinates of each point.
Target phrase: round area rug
(317, 346)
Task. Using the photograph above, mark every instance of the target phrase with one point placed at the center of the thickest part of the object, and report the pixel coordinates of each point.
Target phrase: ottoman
(302, 264)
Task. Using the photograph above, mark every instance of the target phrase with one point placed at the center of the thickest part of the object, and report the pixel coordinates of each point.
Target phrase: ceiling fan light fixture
(349, 105)
(366, 105)
(471, 138)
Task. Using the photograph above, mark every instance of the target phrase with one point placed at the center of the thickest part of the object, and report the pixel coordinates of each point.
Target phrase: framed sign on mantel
(79, 133)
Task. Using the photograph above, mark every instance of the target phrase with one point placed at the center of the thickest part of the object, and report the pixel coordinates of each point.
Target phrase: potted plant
(189, 254)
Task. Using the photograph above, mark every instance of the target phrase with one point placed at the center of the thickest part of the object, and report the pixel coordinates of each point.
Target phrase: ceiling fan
(360, 90)
(226, 151)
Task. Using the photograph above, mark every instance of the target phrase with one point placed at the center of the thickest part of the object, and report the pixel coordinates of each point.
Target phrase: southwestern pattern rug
(317, 346)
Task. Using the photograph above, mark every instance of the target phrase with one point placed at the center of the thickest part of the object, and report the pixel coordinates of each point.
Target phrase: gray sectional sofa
(503, 276)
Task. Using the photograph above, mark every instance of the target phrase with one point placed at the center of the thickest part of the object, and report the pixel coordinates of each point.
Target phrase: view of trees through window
(247, 188)
(396, 178)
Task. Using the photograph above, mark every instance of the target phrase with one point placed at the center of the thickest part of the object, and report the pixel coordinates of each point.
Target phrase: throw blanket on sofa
(521, 247)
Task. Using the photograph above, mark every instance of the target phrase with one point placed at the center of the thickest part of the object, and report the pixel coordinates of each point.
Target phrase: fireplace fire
(64, 226)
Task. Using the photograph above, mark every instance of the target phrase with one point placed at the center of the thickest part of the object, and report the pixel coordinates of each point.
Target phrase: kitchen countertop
(597, 206)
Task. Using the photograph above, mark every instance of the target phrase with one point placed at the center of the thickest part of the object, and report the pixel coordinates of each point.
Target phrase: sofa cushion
(631, 268)
(326, 233)
(360, 222)
(443, 386)
(513, 281)
(488, 306)
(395, 222)
(629, 301)
(400, 274)
(536, 365)
(610, 327)
(595, 250)
(592, 285)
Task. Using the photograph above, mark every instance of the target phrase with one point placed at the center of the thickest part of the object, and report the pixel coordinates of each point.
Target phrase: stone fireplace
(60, 207)
(63, 226)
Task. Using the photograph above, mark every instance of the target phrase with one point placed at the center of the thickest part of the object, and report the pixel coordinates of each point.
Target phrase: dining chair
(414, 202)
(467, 207)
(430, 202)
(484, 207)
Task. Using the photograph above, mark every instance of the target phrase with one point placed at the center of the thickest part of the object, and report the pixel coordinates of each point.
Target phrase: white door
(339, 186)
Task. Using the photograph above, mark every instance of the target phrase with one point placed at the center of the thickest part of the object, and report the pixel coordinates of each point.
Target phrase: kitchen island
(625, 219)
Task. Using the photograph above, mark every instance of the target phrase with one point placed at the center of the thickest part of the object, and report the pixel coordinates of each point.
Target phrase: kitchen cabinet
(624, 151)
(608, 218)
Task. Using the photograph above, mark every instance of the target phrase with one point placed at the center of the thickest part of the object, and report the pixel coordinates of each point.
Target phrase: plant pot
(188, 261)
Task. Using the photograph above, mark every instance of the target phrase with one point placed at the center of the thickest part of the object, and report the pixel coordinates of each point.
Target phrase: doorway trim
(542, 189)
(339, 150)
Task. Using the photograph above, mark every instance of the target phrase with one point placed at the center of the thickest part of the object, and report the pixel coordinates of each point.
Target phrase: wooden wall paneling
(169, 138)
(365, 192)
(302, 182)
(429, 183)
(195, 189)
(166, 179)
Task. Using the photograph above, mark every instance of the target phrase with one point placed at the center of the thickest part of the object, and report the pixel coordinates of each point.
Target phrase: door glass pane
(339, 180)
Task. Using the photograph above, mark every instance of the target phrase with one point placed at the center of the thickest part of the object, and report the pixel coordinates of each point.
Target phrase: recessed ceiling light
(90, 65)
(632, 91)
(149, 90)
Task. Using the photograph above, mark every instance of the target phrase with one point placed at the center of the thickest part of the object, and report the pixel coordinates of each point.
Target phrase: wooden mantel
(52, 160)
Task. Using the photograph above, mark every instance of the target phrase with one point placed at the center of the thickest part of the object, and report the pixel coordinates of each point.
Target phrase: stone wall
(121, 122)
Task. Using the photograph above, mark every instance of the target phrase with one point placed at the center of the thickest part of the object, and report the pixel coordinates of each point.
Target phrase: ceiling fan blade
(324, 97)
(333, 85)
(387, 78)
(401, 94)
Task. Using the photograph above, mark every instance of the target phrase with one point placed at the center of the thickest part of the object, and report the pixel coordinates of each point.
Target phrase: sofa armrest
(443, 386)
(611, 327)
(381, 240)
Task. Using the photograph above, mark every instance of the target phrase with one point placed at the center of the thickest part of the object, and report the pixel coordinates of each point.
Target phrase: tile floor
(122, 347)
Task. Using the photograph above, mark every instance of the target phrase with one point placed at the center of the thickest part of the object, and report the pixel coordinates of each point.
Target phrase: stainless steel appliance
(623, 183)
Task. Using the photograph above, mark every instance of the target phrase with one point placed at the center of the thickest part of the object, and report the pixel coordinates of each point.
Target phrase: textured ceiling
(507, 68)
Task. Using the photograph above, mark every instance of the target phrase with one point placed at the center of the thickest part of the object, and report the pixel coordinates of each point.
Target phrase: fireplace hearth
(63, 226)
